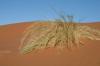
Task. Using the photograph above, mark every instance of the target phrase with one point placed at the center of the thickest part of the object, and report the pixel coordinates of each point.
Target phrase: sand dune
(10, 36)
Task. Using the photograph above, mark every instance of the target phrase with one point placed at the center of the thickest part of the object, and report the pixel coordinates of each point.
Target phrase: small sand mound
(58, 35)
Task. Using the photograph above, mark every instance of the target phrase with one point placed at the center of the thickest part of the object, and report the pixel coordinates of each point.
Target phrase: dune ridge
(10, 36)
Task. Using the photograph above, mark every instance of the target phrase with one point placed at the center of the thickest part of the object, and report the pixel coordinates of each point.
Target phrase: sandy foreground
(10, 36)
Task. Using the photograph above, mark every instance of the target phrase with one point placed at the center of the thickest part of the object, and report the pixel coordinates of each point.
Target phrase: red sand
(10, 36)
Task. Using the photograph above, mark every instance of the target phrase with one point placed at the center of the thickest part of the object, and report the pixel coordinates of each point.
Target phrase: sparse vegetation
(59, 34)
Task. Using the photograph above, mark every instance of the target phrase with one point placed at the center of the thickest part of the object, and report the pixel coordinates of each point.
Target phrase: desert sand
(10, 36)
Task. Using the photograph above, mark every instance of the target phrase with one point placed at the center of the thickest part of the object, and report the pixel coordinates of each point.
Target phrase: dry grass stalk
(59, 35)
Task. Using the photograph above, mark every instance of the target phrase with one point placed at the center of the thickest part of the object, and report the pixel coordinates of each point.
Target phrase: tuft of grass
(58, 35)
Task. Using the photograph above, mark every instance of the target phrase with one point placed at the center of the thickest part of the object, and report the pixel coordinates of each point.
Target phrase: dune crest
(58, 35)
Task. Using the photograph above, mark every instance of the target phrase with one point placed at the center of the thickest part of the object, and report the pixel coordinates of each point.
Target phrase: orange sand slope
(10, 36)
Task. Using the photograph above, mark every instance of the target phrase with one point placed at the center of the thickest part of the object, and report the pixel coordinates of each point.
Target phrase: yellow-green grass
(58, 35)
